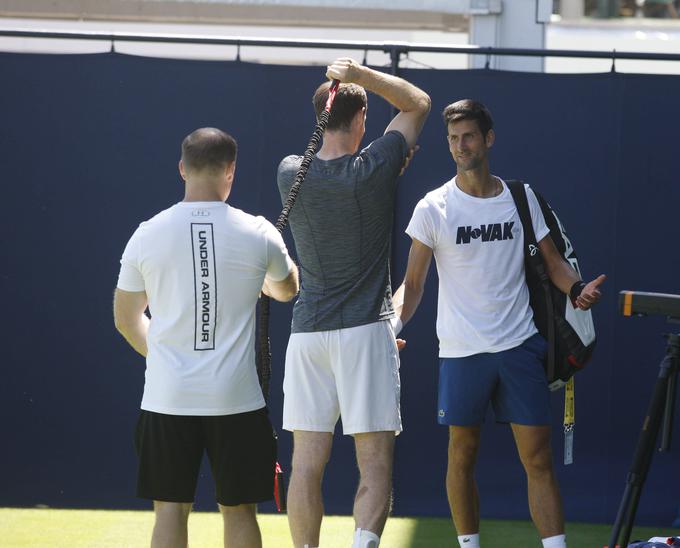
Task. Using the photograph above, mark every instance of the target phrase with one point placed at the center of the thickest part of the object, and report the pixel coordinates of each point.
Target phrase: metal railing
(394, 49)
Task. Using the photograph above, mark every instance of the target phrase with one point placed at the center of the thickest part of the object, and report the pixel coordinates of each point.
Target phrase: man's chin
(468, 166)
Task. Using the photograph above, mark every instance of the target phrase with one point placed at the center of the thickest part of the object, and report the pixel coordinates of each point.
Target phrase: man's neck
(203, 193)
(479, 183)
(337, 144)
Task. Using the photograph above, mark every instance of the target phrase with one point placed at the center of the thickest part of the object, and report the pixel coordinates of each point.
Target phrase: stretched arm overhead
(129, 317)
(412, 102)
(408, 296)
(562, 274)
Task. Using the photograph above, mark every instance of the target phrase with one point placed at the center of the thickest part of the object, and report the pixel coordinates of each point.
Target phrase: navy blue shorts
(512, 380)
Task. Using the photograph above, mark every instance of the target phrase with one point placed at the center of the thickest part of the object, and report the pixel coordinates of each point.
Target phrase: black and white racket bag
(570, 332)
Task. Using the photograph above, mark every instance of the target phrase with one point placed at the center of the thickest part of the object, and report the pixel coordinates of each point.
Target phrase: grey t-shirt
(342, 226)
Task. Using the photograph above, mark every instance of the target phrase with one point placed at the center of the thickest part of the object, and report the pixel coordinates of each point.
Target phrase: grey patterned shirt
(342, 227)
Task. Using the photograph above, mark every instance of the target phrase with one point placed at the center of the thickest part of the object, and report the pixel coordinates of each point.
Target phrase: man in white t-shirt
(489, 347)
(199, 267)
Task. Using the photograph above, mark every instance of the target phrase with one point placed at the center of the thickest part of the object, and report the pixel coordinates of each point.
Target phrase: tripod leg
(630, 518)
(642, 458)
(621, 516)
(670, 406)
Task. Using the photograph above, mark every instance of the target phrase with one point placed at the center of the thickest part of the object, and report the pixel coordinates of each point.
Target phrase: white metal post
(521, 24)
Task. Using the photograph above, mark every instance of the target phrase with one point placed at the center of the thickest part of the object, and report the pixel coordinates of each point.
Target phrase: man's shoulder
(391, 138)
(285, 173)
(159, 218)
(437, 197)
(288, 163)
(247, 220)
(390, 141)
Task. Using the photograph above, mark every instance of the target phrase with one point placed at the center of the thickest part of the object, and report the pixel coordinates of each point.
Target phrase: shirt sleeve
(130, 276)
(423, 225)
(285, 175)
(279, 263)
(384, 158)
(541, 230)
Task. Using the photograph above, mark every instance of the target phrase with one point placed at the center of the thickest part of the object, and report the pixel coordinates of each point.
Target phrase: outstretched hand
(409, 157)
(591, 293)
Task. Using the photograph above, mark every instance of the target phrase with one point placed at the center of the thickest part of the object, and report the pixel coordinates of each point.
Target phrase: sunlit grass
(51, 528)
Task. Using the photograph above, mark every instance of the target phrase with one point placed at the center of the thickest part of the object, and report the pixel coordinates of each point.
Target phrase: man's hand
(401, 343)
(591, 293)
(344, 69)
(409, 157)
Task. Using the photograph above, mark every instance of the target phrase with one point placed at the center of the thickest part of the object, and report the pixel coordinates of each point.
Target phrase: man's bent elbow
(424, 103)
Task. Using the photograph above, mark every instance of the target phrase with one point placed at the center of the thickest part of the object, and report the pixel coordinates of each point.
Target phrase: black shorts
(241, 450)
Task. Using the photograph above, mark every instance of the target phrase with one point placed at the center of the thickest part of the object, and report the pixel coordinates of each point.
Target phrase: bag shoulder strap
(534, 260)
(519, 195)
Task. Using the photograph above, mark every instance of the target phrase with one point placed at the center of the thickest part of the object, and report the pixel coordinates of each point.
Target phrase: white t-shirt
(478, 245)
(202, 265)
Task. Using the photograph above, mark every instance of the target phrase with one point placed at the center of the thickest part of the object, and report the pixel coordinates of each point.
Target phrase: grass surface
(50, 528)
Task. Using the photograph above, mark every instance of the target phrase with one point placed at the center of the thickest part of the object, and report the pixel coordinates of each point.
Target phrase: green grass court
(50, 528)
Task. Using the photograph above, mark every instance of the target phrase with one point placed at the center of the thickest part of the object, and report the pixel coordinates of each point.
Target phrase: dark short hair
(349, 100)
(469, 109)
(209, 149)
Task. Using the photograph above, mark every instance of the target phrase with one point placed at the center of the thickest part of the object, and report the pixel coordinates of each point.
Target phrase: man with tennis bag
(490, 349)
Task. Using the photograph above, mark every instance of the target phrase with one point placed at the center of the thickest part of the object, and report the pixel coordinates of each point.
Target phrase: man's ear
(490, 138)
(182, 171)
(230, 170)
(360, 117)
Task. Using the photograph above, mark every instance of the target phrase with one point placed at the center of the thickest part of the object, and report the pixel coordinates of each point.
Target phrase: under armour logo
(532, 250)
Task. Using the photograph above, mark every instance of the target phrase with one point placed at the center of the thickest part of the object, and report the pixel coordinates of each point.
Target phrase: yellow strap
(569, 417)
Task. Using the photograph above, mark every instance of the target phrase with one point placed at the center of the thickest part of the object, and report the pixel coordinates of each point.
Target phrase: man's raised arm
(412, 102)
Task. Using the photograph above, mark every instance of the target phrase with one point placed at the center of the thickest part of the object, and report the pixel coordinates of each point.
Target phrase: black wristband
(575, 290)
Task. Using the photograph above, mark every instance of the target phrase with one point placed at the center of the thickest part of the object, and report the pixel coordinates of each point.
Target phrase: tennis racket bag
(570, 332)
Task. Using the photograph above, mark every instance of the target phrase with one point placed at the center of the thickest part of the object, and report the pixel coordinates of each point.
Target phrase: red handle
(335, 84)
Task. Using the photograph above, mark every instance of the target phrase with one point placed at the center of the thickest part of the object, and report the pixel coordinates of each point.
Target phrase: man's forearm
(135, 334)
(563, 276)
(403, 95)
(406, 301)
(285, 289)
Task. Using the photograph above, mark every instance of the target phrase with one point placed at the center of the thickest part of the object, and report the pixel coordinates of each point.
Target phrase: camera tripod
(659, 416)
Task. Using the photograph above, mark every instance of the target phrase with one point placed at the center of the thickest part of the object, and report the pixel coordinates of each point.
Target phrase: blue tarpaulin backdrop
(89, 148)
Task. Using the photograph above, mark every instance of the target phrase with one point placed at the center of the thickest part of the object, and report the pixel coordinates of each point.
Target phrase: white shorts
(353, 373)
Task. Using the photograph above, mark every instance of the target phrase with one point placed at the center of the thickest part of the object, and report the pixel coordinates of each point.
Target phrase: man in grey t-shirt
(342, 359)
